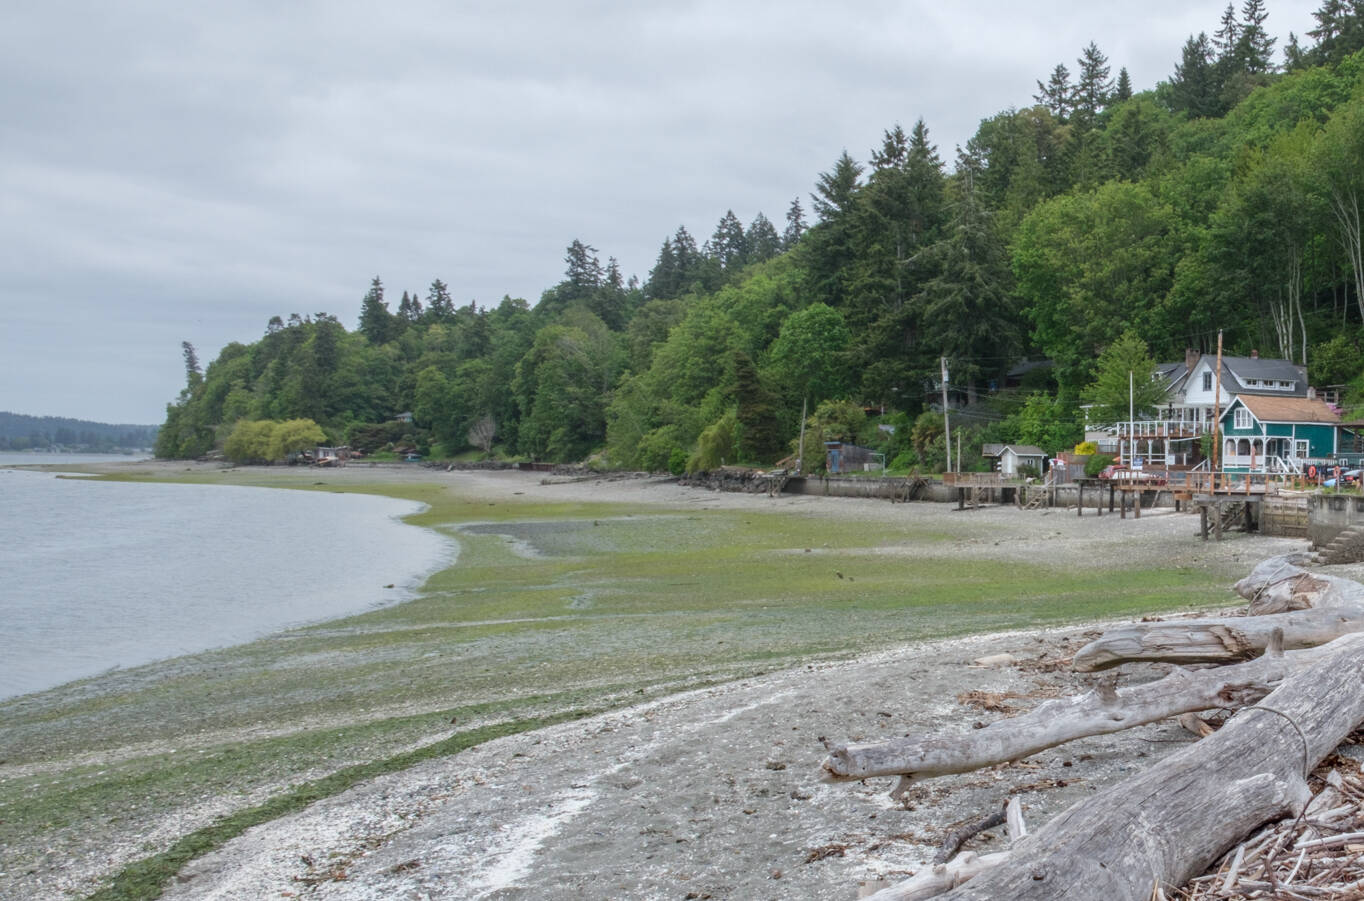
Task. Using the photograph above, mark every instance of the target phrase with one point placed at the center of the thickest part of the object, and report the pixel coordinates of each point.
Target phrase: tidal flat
(567, 599)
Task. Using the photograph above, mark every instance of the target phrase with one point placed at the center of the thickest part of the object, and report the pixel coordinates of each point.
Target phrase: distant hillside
(19, 432)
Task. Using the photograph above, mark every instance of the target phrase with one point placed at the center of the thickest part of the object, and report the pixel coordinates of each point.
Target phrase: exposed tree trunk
(1311, 609)
(1097, 712)
(1216, 640)
(1166, 824)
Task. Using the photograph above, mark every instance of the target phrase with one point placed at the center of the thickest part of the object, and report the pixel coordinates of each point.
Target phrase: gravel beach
(710, 793)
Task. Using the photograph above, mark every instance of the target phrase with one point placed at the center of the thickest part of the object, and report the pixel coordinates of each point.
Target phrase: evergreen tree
(193, 374)
(760, 431)
(1124, 89)
(968, 307)
(664, 278)
(1254, 49)
(1193, 90)
(762, 239)
(376, 323)
(729, 245)
(612, 278)
(795, 225)
(1227, 36)
(836, 188)
(1058, 94)
(1093, 87)
(409, 308)
(439, 305)
(584, 272)
(894, 149)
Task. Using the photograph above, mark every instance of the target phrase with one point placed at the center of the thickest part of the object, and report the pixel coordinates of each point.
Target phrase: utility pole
(946, 422)
(1131, 426)
(800, 452)
(1217, 409)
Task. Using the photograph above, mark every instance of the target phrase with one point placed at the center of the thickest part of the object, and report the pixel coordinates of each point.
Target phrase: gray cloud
(177, 171)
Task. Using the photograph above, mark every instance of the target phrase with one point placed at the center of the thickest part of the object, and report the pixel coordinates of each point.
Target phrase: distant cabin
(1008, 459)
(841, 458)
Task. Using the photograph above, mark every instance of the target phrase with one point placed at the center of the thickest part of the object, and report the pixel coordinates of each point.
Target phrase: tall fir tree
(729, 244)
(1193, 90)
(1093, 86)
(1254, 48)
(1123, 90)
(376, 323)
(440, 307)
(1058, 94)
(762, 239)
(795, 225)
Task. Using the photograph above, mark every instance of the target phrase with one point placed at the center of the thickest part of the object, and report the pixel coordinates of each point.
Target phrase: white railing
(1161, 428)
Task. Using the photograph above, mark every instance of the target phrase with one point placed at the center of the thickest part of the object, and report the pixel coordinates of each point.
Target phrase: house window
(1230, 450)
(1242, 420)
(1207, 381)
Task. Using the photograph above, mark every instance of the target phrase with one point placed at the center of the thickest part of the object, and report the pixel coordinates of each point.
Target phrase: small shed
(840, 457)
(1009, 458)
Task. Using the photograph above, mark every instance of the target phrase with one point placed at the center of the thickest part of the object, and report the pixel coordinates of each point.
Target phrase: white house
(1010, 457)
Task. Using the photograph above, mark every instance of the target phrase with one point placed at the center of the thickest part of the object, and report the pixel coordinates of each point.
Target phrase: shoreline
(325, 710)
(189, 570)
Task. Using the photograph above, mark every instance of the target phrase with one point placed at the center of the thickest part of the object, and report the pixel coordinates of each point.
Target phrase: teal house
(1278, 434)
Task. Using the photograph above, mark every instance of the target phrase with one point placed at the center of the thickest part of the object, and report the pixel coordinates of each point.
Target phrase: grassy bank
(554, 608)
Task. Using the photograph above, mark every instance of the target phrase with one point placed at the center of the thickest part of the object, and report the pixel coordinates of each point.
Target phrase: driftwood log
(1311, 610)
(1098, 712)
(1167, 824)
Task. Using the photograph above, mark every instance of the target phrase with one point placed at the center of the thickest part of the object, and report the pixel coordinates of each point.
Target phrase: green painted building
(1278, 434)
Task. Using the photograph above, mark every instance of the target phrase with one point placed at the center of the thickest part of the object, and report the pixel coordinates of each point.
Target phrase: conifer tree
(1254, 49)
(795, 225)
(762, 239)
(376, 323)
(835, 189)
(1058, 94)
(894, 149)
(729, 245)
(439, 305)
(1193, 89)
(1093, 86)
(409, 308)
(1123, 91)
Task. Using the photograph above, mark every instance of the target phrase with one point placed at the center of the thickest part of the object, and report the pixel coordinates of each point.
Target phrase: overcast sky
(185, 171)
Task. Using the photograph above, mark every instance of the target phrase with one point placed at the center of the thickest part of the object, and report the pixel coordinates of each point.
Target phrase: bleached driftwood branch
(1097, 712)
(1311, 610)
(1167, 824)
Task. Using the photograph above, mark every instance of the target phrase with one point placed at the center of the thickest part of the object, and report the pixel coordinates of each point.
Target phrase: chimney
(1311, 393)
(1190, 358)
(1255, 355)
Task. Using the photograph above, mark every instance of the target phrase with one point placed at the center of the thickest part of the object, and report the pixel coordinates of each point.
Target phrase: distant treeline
(1225, 200)
(20, 433)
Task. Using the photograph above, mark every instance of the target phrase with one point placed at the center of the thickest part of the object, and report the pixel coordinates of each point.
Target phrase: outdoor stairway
(1347, 547)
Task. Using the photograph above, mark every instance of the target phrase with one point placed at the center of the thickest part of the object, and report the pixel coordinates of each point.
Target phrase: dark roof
(1242, 368)
(1020, 450)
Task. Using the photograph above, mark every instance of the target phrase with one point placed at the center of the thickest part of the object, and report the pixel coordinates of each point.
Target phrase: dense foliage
(1098, 229)
(20, 433)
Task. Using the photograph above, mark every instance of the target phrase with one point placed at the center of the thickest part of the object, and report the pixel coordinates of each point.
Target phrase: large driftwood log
(1166, 824)
(1311, 610)
(1216, 640)
(1097, 712)
(1279, 584)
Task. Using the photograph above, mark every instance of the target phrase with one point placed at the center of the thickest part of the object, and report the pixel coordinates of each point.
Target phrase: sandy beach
(713, 792)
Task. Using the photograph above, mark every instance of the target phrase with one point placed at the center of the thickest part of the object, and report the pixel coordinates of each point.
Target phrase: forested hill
(20, 432)
(1100, 219)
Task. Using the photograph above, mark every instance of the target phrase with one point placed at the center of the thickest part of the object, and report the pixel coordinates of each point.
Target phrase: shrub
(1096, 463)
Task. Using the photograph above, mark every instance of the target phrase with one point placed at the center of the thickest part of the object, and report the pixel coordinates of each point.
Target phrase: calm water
(95, 575)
